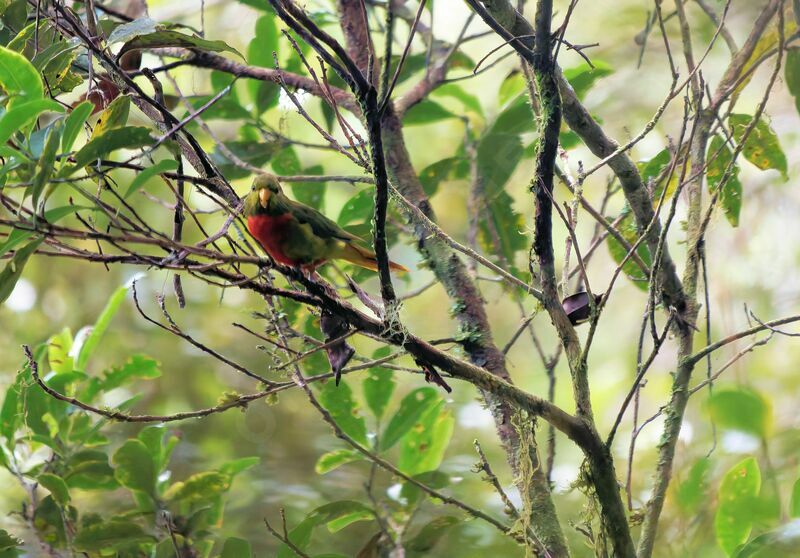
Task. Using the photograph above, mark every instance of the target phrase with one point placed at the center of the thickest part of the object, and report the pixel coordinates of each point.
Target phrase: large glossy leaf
(115, 115)
(583, 76)
(199, 487)
(73, 124)
(498, 157)
(378, 387)
(422, 448)
(692, 491)
(46, 163)
(412, 407)
(137, 366)
(18, 78)
(129, 137)
(783, 542)
(57, 487)
(470, 101)
(132, 29)
(22, 114)
(134, 467)
(264, 94)
(252, 152)
(335, 459)
(236, 548)
(737, 498)
(300, 536)
(741, 409)
(730, 197)
(430, 534)
(100, 326)
(761, 147)
(628, 231)
(501, 228)
(7, 541)
(164, 38)
(792, 75)
(13, 269)
(339, 402)
(142, 177)
(426, 112)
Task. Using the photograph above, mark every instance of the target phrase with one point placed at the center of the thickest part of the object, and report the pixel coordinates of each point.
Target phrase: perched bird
(297, 235)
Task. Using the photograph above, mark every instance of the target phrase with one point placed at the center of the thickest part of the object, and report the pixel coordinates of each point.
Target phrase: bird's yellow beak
(263, 197)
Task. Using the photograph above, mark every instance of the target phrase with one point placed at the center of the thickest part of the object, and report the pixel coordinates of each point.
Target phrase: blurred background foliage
(754, 264)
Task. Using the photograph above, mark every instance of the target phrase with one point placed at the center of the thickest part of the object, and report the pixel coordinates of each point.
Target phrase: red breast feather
(271, 231)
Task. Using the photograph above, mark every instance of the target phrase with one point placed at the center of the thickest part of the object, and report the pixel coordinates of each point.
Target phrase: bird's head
(265, 188)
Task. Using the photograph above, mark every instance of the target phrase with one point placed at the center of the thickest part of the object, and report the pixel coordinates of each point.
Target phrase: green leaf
(794, 504)
(23, 114)
(628, 231)
(137, 367)
(252, 152)
(311, 193)
(13, 269)
(335, 459)
(57, 213)
(761, 147)
(58, 347)
(341, 522)
(115, 115)
(582, 77)
(8, 541)
(430, 534)
(9, 412)
(109, 535)
(511, 87)
(741, 409)
(792, 75)
(730, 197)
(300, 536)
(56, 485)
(73, 124)
(411, 493)
(455, 91)
(286, 161)
(498, 156)
(18, 78)
(100, 326)
(14, 239)
(426, 112)
(738, 493)
(517, 118)
(233, 468)
(46, 163)
(199, 487)
(339, 402)
(432, 175)
(691, 493)
(358, 208)
(412, 407)
(264, 94)
(89, 470)
(129, 137)
(165, 38)
(378, 387)
(142, 177)
(132, 29)
(501, 228)
(134, 467)
(236, 548)
(784, 542)
(422, 448)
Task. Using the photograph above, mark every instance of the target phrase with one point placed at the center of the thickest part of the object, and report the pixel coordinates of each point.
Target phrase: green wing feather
(320, 224)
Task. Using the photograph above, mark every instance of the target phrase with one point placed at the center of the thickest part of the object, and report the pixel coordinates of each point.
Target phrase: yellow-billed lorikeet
(297, 235)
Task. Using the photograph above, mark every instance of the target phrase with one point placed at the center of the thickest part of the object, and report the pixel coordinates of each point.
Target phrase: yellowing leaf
(761, 147)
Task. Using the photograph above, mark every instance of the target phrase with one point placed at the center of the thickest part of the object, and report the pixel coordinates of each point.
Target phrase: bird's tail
(365, 257)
